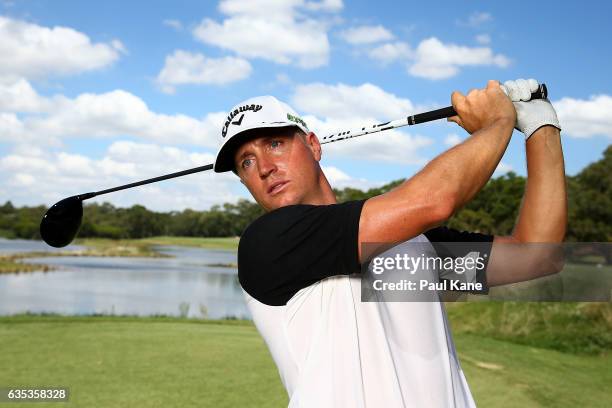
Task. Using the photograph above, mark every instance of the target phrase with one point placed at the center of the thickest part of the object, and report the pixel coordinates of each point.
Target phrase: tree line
(494, 210)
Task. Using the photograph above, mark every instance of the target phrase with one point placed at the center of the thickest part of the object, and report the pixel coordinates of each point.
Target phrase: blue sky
(98, 94)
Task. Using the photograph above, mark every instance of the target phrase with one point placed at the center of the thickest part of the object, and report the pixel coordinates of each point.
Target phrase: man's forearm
(432, 195)
(543, 214)
(466, 168)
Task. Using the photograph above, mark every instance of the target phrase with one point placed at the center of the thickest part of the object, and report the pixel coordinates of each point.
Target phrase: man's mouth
(277, 187)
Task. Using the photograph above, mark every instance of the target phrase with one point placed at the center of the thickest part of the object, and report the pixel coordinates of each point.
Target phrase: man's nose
(266, 166)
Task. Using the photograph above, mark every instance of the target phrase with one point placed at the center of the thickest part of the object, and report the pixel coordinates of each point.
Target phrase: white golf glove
(530, 114)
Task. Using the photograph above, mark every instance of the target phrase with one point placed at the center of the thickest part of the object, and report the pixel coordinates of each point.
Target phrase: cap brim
(225, 157)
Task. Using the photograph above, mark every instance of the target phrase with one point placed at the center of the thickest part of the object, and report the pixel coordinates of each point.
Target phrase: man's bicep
(400, 214)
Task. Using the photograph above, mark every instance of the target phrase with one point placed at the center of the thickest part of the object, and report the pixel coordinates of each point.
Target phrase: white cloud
(332, 108)
(369, 39)
(324, 5)
(390, 52)
(345, 101)
(502, 168)
(118, 45)
(436, 60)
(25, 180)
(111, 114)
(260, 8)
(176, 24)
(11, 128)
(272, 30)
(183, 67)
(19, 96)
(304, 44)
(476, 19)
(390, 146)
(452, 139)
(483, 39)
(433, 59)
(34, 177)
(339, 179)
(366, 35)
(335, 175)
(585, 118)
(283, 79)
(276, 7)
(33, 51)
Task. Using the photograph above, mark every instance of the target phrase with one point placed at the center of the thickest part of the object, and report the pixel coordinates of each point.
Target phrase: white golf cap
(254, 113)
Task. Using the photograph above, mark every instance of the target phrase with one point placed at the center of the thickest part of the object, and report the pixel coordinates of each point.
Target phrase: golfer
(300, 263)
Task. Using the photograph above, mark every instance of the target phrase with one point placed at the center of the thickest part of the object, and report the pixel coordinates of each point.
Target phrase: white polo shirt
(332, 349)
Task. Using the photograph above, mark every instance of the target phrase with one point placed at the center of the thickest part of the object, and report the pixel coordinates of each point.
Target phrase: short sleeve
(295, 246)
(452, 243)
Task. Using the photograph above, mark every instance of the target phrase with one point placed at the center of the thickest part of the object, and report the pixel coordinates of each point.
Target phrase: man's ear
(312, 141)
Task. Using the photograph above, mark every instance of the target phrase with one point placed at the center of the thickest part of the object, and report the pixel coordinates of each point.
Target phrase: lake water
(183, 285)
(9, 246)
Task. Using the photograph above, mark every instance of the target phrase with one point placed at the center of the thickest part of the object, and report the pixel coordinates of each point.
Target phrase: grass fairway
(503, 374)
(159, 362)
(130, 362)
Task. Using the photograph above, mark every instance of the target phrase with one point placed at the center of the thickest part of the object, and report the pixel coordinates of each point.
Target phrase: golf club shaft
(147, 181)
(540, 93)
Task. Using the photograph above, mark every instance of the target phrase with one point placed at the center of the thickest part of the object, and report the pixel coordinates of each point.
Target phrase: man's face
(279, 166)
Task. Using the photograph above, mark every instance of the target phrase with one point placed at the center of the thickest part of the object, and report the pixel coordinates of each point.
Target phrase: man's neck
(324, 195)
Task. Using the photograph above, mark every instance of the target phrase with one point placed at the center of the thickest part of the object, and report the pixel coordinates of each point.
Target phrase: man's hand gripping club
(530, 114)
(482, 108)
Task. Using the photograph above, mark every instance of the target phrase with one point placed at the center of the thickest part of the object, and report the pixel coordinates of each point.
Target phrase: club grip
(540, 93)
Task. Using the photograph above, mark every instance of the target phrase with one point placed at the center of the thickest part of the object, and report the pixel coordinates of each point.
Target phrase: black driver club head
(62, 221)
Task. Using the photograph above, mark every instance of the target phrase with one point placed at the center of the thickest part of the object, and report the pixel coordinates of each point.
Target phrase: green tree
(349, 193)
(495, 208)
(142, 223)
(590, 202)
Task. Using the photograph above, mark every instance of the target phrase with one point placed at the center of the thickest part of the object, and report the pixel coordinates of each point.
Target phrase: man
(299, 264)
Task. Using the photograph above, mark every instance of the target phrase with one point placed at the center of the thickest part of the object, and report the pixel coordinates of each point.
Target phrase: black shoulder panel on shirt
(462, 243)
(295, 246)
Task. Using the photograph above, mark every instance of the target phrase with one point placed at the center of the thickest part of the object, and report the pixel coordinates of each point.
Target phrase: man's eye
(275, 143)
(246, 163)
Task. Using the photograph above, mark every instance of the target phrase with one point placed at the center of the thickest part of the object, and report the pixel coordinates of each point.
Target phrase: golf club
(62, 221)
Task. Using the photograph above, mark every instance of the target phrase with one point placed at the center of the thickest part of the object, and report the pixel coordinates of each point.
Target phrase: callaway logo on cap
(254, 113)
